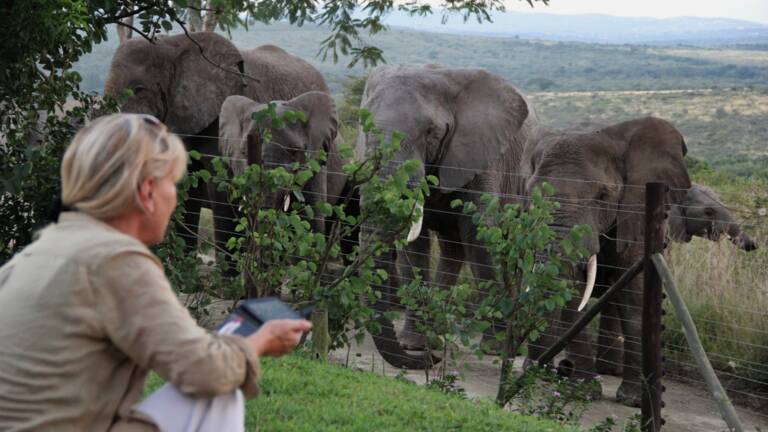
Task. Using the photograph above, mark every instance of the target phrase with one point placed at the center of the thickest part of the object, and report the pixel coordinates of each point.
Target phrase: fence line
(748, 375)
(238, 139)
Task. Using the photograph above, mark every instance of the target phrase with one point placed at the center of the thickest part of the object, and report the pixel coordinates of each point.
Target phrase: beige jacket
(85, 312)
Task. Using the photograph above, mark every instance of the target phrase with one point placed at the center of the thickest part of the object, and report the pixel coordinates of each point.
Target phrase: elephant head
(241, 135)
(182, 80)
(600, 178)
(457, 122)
(703, 214)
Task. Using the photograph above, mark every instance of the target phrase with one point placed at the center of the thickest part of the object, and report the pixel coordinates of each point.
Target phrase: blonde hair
(108, 159)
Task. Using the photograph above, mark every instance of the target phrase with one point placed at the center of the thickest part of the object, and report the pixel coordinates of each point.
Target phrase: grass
(298, 395)
(717, 124)
(726, 291)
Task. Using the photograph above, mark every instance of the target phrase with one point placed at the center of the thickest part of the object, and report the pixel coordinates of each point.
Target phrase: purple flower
(556, 393)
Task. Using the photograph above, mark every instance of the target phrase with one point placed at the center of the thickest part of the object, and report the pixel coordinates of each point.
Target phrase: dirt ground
(688, 409)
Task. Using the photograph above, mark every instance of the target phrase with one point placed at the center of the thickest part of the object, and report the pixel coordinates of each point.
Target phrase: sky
(751, 10)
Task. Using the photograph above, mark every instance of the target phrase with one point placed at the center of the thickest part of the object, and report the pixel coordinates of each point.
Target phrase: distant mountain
(595, 28)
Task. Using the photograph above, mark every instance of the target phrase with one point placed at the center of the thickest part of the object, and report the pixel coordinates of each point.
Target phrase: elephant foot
(629, 394)
(489, 345)
(591, 388)
(529, 363)
(412, 340)
(604, 367)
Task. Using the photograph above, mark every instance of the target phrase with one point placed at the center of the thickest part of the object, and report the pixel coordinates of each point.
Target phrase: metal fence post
(655, 213)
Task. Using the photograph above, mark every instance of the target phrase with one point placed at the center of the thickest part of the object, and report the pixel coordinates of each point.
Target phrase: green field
(726, 127)
(717, 97)
(299, 395)
(530, 64)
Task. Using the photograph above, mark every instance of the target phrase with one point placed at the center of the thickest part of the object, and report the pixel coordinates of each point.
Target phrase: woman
(86, 310)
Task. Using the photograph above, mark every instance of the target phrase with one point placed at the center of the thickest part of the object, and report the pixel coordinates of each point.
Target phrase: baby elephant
(703, 214)
(241, 140)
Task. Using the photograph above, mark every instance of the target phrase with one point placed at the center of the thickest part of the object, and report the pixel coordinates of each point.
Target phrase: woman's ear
(146, 194)
(489, 114)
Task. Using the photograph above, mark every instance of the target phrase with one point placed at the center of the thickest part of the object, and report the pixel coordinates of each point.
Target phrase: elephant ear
(321, 126)
(489, 113)
(206, 71)
(655, 152)
(234, 123)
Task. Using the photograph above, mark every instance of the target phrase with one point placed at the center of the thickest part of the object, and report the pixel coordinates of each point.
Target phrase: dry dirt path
(688, 408)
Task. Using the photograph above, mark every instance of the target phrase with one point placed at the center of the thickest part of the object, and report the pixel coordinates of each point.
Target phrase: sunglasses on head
(150, 119)
(153, 121)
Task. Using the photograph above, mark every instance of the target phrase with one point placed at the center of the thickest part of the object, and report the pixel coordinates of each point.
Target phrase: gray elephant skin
(467, 127)
(600, 178)
(700, 214)
(241, 141)
(183, 81)
(703, 214)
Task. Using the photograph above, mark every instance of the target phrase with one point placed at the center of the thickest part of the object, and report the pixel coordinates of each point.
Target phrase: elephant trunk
(580, 271)
(744, 242)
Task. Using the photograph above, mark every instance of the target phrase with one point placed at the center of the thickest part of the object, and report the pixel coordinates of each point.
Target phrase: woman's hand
(278, 337)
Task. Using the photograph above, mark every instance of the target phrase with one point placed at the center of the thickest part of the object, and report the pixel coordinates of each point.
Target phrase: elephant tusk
(287, 202)
(591, 276)
(415, 230)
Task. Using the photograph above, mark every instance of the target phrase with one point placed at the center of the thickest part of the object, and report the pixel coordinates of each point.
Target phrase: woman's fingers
(278, 337)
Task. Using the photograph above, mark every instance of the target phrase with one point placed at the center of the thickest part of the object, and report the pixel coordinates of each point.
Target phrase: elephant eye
(709, 212)
(602, 195)
(138, 89)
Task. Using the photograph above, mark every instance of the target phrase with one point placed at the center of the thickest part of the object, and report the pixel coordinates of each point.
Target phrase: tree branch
(218, 66)
(137, 31)
(126, 14)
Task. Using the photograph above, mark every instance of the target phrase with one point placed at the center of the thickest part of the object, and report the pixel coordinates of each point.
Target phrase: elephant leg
(579, 350)
(315, 191)
(349, 241)
(546, 339)
(451, 262)
(189, 228)
(630, 304)
(483, 270)
(224, 213)
(610, 344)
(415, 256)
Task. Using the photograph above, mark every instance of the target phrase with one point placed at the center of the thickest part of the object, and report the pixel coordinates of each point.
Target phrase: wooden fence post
(655, 214)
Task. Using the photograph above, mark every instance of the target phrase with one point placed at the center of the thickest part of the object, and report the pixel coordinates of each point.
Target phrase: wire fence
(730, 308)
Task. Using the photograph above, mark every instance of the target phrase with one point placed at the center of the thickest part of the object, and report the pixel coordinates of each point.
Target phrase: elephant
(469, 128)
(183, 81)
(701, 214)
(241, 142)
(599, 178)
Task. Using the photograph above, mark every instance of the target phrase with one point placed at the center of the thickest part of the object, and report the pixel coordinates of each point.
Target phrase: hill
(530, 64)
(716, 96)
(595, 28)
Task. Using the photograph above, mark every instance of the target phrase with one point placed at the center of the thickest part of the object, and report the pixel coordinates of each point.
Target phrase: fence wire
(746, 382)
